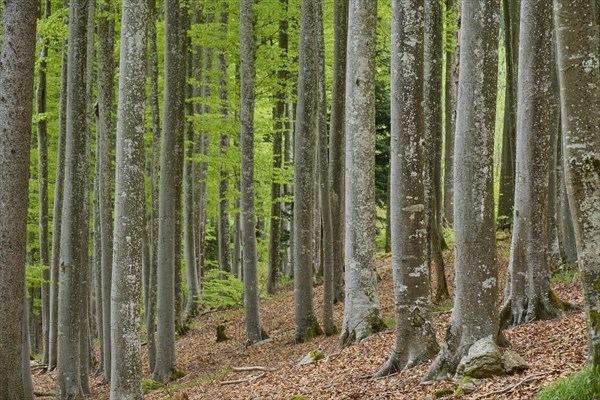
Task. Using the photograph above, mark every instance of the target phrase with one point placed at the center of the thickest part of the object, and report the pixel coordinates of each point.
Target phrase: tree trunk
(248, 82)
(415, 336)
(98, 259)
(42, 131)
(279, 116)
(17, 62)
(73, 214)
(57, 208)
(474, 228)
(566, 230)
(104, 129)
(337, 139)
(305, 175)
(154, 185)
(577, 39)
(130, 218)
(361, 312)
(26, 351)
(451, 93)
(529, 290)
(223, 231)
(507, 168)
(170, 191)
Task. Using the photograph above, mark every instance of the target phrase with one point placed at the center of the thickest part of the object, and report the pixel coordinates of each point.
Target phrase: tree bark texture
(73, 214)
(362, 310)
(337, 134)
(170, 168)
(474, 315)
(248, 83)
(529, 284)
(17, 61)
(415, 336)
(126, 374)
(305, 175)
(577, 39)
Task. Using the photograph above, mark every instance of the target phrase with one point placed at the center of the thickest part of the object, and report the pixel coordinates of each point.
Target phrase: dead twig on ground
(250, 379)
(254, 368)
(527, 379)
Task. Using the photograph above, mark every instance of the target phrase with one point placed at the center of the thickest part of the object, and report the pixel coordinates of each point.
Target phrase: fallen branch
(44, 394)
(252, 378)
(38, 366)
(255, 368)
(513, 387)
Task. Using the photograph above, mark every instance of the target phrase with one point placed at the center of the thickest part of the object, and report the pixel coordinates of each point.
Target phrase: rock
(311, 357)
(483, 360)
(513, 362)
(467, 385)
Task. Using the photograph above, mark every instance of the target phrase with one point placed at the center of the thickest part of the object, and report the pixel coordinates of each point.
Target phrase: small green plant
(148, 385)
(584, 385)
(566, 276)
(222, 290)
(444, 307)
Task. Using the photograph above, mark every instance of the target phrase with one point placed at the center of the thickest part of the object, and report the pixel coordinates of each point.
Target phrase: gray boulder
(513, 362)
(483, 360)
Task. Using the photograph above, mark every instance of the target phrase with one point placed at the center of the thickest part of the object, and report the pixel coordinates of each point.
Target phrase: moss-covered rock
(483, 360)
(148, 385)
(311, 357)
(467, 385)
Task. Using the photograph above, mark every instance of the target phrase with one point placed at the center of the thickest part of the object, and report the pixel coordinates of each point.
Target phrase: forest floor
(553, 349)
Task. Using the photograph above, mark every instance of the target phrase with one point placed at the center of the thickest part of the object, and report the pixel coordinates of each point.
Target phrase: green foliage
(148, 385)
(222, 289)
(569, 275)
(444, 307)
(584, 385)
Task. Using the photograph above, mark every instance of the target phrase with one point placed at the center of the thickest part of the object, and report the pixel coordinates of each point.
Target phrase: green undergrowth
(570, 275)
(584, 385)
(443, 307)
(222, 290)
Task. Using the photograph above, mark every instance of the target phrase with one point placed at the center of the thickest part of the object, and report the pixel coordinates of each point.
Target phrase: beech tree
(126, 374)
(17, 61)
(528, 293)
(579, 74)
(474, 315)
(415, 336)
(248, 81)
(171, 162)
(361, 308)
(304, 175)
(73, 215)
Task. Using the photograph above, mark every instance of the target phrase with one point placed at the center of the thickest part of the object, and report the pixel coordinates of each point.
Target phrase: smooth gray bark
(361, 309)
(57, 208)
(223, 209)
(248, 83)
(42, 132)
(450, 99)
(73, 214)
(17, 61)
(104, 132)
(528, 288)
(508, 159)
(305, 175)
(171, 165)
(337, 134)
(154, 184)
(474, 315)
(415, 336)
(579, 75)
(130, 219)
(26, 351)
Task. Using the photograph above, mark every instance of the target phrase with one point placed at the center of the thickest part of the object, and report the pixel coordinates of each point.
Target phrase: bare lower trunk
(474, 228)
(577, 39)
(362, 311)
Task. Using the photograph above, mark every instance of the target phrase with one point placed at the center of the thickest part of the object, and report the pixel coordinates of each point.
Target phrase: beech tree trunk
(130, 218)
(305, 175)
(17, 61)
(170, 168)
(361, 312)
(474, 315)
(57, 208)
(248, 81)
(507, 166)
(577, 39)
(415, 336)
(104, 129)
(42, 131)
(73, 214)
(529, 293)
(337, 135)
